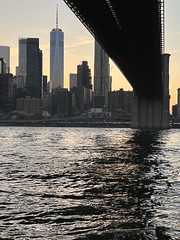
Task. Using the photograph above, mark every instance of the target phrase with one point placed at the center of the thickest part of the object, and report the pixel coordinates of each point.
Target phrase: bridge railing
(162, 18)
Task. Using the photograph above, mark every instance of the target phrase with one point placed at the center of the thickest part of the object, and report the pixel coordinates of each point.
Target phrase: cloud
(78, 42)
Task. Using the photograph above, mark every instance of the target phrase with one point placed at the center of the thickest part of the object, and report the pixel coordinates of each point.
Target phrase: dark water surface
(89, 183)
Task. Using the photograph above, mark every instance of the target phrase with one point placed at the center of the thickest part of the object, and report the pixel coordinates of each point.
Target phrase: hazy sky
(36, 18)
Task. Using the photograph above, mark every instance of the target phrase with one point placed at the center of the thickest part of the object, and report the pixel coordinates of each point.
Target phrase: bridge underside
(131, 32)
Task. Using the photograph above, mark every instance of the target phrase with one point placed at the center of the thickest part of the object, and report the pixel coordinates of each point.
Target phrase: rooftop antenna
(56, 16)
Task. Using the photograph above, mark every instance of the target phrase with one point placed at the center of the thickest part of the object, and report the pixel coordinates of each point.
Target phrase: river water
(89, 183)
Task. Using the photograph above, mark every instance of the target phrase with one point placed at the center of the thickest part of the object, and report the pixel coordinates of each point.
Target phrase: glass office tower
(56, 56)
(30, 66)
(22, 69)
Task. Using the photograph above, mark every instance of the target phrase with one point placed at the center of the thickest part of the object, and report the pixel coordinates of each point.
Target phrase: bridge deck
(131, 33)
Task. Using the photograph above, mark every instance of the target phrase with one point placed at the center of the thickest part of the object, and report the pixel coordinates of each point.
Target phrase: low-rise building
(61, 102)
(119, 103)
(30, 105)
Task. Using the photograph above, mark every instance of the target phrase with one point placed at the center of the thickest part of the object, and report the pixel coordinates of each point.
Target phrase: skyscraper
(5, 53)
(30, 66)
(22, 69)
(34, 68)
(84, 87)
(101, 76)
(57, 56)
(72, 80)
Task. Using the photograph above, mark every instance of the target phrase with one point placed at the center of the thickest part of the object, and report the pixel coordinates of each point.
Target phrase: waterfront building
(120, 103)
(178, 102)
(56, 56)
(18, 86)
(30, 66)
(6, 92)
(29, 106)
(174, 110)
(5, 53)
(84, 87)
(61, 102)
(102, 80)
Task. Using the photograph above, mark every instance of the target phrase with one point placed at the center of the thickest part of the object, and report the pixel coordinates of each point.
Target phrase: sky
(36, 18)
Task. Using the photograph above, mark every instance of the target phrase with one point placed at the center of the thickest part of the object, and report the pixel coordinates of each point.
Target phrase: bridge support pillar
(153, 112)
(147, 112)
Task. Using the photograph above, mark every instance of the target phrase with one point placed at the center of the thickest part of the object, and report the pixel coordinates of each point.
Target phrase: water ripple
(73, 184)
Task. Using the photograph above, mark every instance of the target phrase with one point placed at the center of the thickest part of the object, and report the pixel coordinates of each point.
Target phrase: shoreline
(73, 122)
(67, 123)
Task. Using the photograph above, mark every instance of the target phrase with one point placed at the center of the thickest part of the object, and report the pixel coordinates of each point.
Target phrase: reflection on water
(125, 178)
(73, 183)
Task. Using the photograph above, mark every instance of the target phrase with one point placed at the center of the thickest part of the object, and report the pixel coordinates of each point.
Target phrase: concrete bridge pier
(153, 112)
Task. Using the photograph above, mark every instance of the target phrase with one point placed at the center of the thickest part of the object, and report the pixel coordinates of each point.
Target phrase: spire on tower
(56, 16)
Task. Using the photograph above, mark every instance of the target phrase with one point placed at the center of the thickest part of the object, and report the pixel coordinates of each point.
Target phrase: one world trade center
(56, 56)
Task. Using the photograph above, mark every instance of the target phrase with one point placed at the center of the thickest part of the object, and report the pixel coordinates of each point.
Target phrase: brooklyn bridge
(132, 34)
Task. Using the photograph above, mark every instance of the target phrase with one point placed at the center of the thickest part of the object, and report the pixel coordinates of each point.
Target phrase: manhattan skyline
(36, 18)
